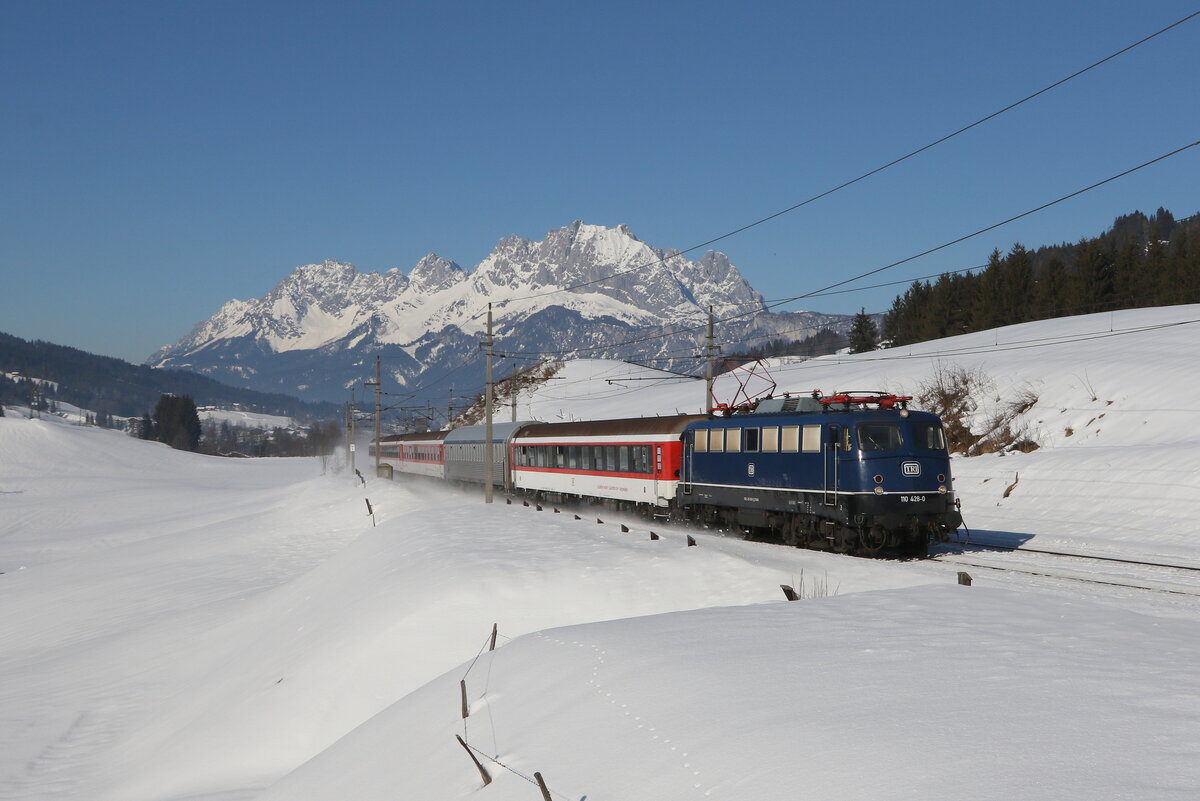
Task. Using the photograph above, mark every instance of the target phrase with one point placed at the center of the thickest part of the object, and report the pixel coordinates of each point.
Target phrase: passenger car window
(879, 437)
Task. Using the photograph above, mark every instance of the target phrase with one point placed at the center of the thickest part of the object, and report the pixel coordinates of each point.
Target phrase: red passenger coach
(416, 454)
(636, 461)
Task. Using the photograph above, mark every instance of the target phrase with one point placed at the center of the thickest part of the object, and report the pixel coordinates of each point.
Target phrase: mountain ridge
(317, 329)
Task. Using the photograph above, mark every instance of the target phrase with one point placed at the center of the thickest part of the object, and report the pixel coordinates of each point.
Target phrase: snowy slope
(181, 627)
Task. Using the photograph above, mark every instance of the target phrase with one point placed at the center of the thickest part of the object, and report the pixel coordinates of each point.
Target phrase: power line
(1045, 342)
(865, 175)
(943, 246)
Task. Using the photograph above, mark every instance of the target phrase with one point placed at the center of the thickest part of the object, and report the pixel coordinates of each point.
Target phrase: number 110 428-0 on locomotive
(856, 473)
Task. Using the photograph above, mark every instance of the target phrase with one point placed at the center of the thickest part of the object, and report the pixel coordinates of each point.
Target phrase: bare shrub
(953, 393)
(819, 588)
(504, 390)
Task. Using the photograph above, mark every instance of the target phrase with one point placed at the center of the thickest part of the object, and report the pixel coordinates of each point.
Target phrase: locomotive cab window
(879, 437)
(930, 437)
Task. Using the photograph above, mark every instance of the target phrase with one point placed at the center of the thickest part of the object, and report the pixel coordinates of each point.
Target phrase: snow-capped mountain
(581, 287)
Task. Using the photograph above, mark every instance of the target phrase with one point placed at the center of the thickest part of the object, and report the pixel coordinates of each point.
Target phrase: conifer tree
(864, 336)
(177, 422)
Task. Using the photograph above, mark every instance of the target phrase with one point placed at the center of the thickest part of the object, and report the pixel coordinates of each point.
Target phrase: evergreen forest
(1140, 261)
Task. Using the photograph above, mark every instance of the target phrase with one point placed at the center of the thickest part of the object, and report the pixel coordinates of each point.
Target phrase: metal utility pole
(709, 350)
(487, 404)
(449, 408)
(353, 444)
(378, 410)
(350, 433)
(512, 392)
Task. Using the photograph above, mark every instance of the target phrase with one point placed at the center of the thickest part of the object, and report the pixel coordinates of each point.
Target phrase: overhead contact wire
(868, 174)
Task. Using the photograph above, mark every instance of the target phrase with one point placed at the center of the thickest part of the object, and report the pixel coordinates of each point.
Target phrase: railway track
(1056, 566)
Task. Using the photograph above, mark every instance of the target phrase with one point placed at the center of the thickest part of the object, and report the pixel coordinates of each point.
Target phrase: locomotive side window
(930, 437)
(812, 439)
(879, 437)
(750, 443)
(770, 440)
(701, 441)
(791, 439)
(733, 440)
(716, 440)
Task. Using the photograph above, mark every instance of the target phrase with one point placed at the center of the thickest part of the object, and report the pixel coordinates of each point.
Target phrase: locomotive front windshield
(879, 437)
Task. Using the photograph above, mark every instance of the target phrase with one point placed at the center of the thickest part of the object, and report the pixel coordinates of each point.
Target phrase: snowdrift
(180, 627)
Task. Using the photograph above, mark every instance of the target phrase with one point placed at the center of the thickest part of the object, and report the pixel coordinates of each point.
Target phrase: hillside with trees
(111, 387)
(1140, 261)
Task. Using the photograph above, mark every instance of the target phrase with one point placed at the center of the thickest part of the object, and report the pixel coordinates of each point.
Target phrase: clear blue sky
(160, 158)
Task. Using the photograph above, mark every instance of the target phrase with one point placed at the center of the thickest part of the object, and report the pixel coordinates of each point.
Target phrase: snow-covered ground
(243, 419)
(174, 626)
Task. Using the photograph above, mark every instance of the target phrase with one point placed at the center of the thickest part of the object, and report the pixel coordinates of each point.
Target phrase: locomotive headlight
(879, 490)
(942, 489)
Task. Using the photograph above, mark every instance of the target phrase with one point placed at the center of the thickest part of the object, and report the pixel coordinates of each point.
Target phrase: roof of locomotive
(834, 413)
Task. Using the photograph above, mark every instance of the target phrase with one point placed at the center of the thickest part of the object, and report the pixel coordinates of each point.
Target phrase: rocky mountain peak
(433, 274)
(579, 285)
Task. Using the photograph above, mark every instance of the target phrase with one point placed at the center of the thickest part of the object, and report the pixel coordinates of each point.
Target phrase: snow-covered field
(174, 626)
(242, 419)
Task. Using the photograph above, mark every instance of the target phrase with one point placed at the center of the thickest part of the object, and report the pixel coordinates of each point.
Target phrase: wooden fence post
(541, 783)
(789, 592)
(691, 541)
(482, 772)
(463, 686)
(964, 578)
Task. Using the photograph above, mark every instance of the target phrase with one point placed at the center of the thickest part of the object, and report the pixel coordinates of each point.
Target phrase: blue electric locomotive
(852, 472)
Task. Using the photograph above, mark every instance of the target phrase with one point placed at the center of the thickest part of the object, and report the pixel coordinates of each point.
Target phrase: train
(853, 472)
